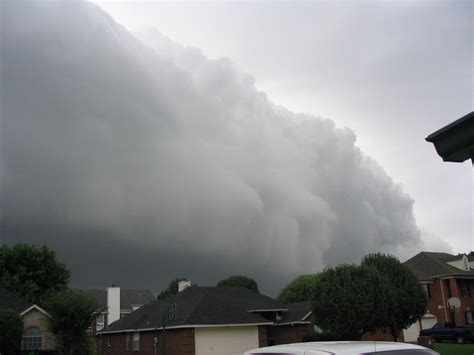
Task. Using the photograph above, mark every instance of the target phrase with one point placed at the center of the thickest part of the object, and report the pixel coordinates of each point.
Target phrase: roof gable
(427, 265)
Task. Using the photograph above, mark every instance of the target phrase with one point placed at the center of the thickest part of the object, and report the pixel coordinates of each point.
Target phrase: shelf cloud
(138, 160)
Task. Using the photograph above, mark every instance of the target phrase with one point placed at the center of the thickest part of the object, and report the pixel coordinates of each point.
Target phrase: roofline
(292, 323)
(36, 307)
(306, 316)
(269, 310)
(185, 326)
(448, 276)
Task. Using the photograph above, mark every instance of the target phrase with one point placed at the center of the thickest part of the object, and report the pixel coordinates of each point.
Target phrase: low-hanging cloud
(140, 157)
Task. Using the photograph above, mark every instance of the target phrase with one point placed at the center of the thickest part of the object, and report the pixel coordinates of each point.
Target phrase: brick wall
(440, 309)
(178, 342)
(262, 336)
(286, 334)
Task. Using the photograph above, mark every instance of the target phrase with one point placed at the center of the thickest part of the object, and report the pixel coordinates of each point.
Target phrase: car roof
(337, 347)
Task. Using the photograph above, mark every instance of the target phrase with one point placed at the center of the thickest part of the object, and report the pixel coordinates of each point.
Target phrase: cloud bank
(139, 160)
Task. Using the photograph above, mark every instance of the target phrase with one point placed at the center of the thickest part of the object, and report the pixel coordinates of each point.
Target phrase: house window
(172, 313)
(109, 341)
(427, 289)
(464, 287)
(469, 317)
(136, 341)
(128, 340)
(32, 339)
(448, 287)
(99, 322)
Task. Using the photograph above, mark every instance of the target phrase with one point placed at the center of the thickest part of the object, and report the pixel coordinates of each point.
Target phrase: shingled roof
(427, 265)
(10, 300)
(198, 306)
(298, 312)
(128, 297)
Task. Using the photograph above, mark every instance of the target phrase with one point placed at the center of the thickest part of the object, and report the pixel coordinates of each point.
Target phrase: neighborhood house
(448, 281)
(207, 321)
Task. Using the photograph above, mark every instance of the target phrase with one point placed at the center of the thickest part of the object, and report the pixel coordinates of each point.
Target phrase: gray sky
(393, 72)
(139, 159)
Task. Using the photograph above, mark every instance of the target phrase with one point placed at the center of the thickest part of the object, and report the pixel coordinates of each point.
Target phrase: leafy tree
(239, 281)
(72, 313)
(348, 300)
(300, 289)
(32, 271)
(11, 330)
(407, 301)
(172, 288)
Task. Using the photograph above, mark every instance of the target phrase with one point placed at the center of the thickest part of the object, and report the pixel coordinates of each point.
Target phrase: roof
(204, 306)
(128, 297)
(36, 307)
(298, 312)
(455, 142)
(427, 265)
(339, 347)
(10, 300)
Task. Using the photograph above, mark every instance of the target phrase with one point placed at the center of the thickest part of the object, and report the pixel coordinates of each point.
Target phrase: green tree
(348, 300)
(239, 281)
(406, 301)
(32, 271)
(300, 289)
(172, 288)
(72, 313)
(11, 330)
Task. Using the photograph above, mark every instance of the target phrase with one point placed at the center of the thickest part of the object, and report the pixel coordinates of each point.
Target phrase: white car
(344, 347)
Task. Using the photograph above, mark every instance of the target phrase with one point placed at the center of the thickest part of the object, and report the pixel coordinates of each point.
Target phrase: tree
(32, 271)
(172, 288)
(407, 301)
(239, 281)
(72, 313)
(300, 289)
(11, 330)
(348, 300)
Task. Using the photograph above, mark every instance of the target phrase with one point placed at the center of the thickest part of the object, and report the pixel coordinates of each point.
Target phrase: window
(469, 317)
(32, 339)
(464, 286)
(427, 289)
(109, 341)
(127, 342)
(99, 322)
(136, 341)
(172, 313)
(448, 287)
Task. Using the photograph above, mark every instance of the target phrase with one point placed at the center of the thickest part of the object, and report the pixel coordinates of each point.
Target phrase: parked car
(344, 347)
(449, 331)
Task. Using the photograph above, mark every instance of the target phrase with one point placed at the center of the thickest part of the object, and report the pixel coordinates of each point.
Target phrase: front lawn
(454, 349)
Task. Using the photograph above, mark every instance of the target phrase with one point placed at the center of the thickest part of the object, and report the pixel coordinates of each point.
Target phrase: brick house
(207, 321)
(449, 284)
(116, 303)
(36, 335)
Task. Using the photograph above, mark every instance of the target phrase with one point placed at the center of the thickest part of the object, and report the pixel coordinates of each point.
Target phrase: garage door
(225, 340)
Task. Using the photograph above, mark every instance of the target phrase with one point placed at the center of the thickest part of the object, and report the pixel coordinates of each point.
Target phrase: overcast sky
(271, 139)
(393, 71)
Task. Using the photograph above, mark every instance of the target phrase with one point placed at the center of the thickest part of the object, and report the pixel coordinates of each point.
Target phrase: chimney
(113, 304)
(182, 285)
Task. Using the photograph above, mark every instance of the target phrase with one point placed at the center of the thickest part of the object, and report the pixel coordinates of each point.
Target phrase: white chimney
(113, 304)
(182, 285)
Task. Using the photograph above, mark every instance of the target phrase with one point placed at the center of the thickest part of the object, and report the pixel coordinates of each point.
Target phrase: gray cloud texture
(140, 162)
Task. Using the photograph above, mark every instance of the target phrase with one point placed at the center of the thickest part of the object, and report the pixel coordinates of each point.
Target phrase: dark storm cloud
(138, 163)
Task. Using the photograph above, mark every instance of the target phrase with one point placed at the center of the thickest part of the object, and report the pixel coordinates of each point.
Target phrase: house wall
(178, 342)
(381, 336)
(286, 334)
(226, 340)
(35, 318)
(262, 336)
(441, 310)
